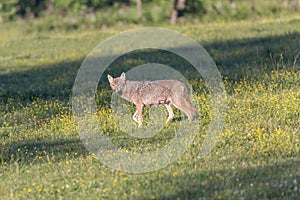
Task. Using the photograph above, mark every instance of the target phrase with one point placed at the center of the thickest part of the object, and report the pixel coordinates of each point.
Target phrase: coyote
(142, 93)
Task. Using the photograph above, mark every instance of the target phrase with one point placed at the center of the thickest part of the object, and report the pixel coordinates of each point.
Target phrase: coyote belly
(142, 93)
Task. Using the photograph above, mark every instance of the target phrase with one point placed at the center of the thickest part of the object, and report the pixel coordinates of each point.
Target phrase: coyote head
(117, 84)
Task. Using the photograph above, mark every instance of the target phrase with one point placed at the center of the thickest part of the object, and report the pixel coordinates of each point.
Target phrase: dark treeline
(13, 9)
(169, 10)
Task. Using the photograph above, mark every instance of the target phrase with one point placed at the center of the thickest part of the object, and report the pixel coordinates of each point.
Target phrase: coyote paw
(134, 117)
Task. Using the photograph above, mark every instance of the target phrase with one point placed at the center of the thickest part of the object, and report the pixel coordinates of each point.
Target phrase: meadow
(255, 157)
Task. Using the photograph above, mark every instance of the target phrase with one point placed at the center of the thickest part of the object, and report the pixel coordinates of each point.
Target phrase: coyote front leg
(170, 110)
(139, 111)
(134, 117)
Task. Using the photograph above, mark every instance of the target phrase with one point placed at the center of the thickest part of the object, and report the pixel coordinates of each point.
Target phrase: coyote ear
(123, 76)
(110, 78)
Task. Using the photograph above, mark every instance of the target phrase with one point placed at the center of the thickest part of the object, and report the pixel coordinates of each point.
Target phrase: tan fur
(142, 93)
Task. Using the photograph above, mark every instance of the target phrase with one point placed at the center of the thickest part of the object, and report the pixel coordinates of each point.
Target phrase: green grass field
(256, 156)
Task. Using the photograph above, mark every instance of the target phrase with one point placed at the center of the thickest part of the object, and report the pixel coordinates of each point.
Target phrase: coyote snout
(142, 93)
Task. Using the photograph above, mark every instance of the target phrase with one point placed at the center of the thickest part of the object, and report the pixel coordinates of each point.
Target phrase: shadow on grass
(250, 58)
(45, 82)
(272, 181)
(32, 152)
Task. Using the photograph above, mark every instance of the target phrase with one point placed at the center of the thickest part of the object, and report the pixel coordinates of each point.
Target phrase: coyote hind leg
(187, 107)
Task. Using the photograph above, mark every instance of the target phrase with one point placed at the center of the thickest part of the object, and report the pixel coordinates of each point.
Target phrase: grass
(256, 156)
